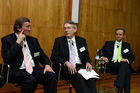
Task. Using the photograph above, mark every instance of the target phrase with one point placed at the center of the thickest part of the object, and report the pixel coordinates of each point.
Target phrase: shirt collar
(16, 35)
(73, 39)
(116, 42)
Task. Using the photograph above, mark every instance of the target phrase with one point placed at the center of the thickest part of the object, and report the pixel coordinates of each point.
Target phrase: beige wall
(97, 21)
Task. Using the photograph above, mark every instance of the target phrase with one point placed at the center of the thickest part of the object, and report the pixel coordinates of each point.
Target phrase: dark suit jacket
(60, 52)
(12, 52)
(108, 49)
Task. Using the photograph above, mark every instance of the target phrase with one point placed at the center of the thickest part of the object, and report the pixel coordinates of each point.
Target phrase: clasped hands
(106, 59)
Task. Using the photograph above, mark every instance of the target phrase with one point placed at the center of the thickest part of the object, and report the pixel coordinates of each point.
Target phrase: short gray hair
(72, 23)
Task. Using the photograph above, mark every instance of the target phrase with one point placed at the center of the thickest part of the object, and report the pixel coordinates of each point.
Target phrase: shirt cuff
(127, 61)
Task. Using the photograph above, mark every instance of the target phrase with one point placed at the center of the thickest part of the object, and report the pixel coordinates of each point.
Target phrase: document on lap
(88, 74)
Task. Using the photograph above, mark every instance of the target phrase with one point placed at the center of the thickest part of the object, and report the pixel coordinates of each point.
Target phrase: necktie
(28, 65)
(71, 53)
(119, 56)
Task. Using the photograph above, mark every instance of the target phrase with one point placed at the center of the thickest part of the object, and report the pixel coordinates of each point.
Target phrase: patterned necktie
(71, 53)
(119, 56)
(26, 61)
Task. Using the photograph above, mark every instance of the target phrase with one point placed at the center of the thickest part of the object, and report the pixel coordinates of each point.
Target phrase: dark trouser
(123, 72)
(30, 81)
(81, 85)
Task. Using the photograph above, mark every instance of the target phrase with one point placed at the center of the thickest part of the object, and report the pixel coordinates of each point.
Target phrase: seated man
(71, 51)
(119, 56)
(23, 53)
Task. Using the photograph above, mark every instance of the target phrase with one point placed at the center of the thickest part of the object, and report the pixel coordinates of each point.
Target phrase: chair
(8, 87)
(61, 82)
(101, 67)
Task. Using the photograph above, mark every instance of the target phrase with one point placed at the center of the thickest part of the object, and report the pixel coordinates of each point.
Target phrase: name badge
(36, 54)
(125, 50)
(82, 49)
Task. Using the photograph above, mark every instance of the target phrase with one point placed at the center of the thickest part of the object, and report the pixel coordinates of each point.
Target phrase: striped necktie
(28, 65)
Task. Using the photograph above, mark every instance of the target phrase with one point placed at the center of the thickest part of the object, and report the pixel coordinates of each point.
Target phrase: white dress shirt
(116, 49)
(28, 54)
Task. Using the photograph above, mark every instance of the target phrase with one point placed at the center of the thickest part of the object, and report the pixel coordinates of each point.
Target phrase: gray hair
(72, 23)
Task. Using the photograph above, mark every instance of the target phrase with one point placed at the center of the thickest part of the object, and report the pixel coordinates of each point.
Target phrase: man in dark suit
(23, 53)
(63, 54)
(119, 56)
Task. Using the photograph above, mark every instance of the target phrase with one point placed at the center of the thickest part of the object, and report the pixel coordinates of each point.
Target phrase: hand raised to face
(21, 37)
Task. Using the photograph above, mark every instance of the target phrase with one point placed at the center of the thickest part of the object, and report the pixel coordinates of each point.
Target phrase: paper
(88, 74)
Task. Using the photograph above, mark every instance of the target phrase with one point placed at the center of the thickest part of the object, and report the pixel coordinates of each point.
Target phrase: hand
(48, 68)
(71, 68)
(88, 66)
(21, 37)
(124, 60)
(104, 59)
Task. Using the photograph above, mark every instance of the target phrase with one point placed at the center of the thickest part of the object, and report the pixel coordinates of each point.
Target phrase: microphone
(117, 46)
(24, 45)
(72, 44)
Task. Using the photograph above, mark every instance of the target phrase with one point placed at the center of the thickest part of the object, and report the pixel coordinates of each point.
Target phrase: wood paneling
(47, 18)
(99, 18)
(97, 21)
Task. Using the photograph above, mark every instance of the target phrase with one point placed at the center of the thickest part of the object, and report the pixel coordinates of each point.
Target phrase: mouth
(66, 33)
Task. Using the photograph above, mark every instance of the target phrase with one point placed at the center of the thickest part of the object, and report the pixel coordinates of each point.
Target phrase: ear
(75, 30)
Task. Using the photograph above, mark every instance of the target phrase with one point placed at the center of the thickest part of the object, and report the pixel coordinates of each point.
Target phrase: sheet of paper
(88, 74)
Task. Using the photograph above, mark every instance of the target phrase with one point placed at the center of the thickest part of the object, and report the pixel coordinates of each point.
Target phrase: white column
(75, 10)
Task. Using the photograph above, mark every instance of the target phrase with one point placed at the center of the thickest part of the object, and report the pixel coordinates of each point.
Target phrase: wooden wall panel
(97, 21)
(47, 18)
(99, 18)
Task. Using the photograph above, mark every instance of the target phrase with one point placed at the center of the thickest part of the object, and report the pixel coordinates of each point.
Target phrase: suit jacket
(60, 52)
(108, 49)
(12, 52)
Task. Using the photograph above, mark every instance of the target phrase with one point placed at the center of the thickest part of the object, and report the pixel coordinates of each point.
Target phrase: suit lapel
(112, 47)
(77, 43)
(122, 49)
(66, 47)
(29, 42)
(14, 37)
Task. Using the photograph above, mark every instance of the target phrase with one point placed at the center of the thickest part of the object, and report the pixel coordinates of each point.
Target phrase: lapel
(77, 43)
(14, 37)
(65, 45)
(122, 49)
(112, 47)
(30, 45)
